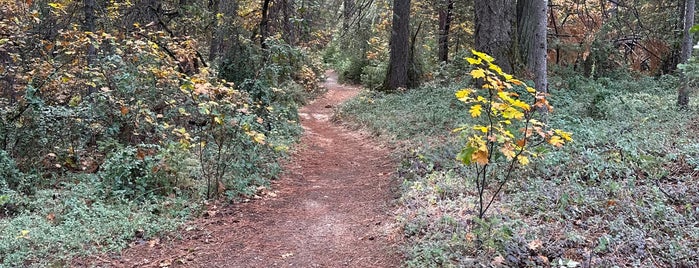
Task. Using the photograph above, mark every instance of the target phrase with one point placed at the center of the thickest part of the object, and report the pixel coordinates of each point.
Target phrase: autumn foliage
(507, 131)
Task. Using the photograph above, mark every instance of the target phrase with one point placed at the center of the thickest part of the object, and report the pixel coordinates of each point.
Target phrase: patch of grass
(76, 220)
(624, 193)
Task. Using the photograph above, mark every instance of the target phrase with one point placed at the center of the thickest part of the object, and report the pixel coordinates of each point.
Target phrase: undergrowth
(624, 193)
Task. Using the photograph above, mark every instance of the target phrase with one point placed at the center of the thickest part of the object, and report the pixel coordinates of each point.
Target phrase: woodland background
(120, 120)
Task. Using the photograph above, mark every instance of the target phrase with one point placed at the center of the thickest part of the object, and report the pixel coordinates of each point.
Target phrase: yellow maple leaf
(483, 56)
(495, 68)
(563, 134)
(523, 160)
(478, 73)
(462, 95)
(473, 61)
(475, 110)
(520, 104)
(556, 141)
(512, 113)
(483, 129)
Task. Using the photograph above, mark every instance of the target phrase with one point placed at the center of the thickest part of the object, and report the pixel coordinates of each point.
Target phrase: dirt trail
(331, 208)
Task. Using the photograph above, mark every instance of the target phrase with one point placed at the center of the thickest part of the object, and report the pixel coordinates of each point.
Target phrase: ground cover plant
(624, 193)
(115, 135)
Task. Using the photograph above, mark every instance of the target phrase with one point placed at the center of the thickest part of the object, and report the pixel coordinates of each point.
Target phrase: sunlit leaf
(480, 128)
(483, 56)
(556, 141)
(473, 61)
(475, 110)
(478, 73)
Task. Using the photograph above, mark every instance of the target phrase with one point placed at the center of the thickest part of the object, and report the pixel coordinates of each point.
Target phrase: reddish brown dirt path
(331, 208)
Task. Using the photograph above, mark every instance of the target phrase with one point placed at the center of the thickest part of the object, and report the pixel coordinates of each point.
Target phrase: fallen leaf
(535, 244)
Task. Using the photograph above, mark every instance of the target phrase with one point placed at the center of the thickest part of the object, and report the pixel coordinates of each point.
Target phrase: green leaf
(466, 154)
(694, 29)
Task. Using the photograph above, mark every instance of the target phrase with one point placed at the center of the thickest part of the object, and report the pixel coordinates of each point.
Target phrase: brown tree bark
(493, 33)
(445, 16)
(397, 76)
(531, 37)
(683, 92)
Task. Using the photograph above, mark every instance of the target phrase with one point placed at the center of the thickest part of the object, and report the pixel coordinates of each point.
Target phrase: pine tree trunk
(397, 76)
(531, 28)
(683, 92)
(493, 33)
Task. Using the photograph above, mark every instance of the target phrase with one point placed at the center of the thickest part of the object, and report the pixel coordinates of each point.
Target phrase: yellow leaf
(478, 73)
(531, 89)
(462, 95)
(23, 234)
(563, 134)
(523, 160)
(520, 104)
(475, 110)
(473, 61)
(495, 68)
(218, 120)
(556, 141)
(512, 113)
(483, 56)
(483, 129)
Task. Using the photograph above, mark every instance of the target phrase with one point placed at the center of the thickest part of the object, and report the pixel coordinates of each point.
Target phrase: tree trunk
(287, 27)
(348, 11)
(683, 92)
(493, 33)
(264, 23)
(531, 37)
(445, 14)
(224, 37)
(399, 46)
(89, 25)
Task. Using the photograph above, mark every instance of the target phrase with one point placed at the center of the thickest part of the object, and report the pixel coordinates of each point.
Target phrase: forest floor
(332, 207)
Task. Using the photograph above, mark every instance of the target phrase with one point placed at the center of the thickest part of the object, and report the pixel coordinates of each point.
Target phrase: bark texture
(347, 13)
(399, 46)
(493, 33)
(683, 92)
(531, 37)
(445, 16)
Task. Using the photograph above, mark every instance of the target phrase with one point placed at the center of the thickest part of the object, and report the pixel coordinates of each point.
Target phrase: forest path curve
(331, 208)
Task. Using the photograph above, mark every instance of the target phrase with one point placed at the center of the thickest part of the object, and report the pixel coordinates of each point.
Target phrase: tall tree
(683, 92)
(531, 38)
(493, 33)
(347, 13)
(399, 46)
(224, 36)
(445, 16)
(89, 25)
(264, 23)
